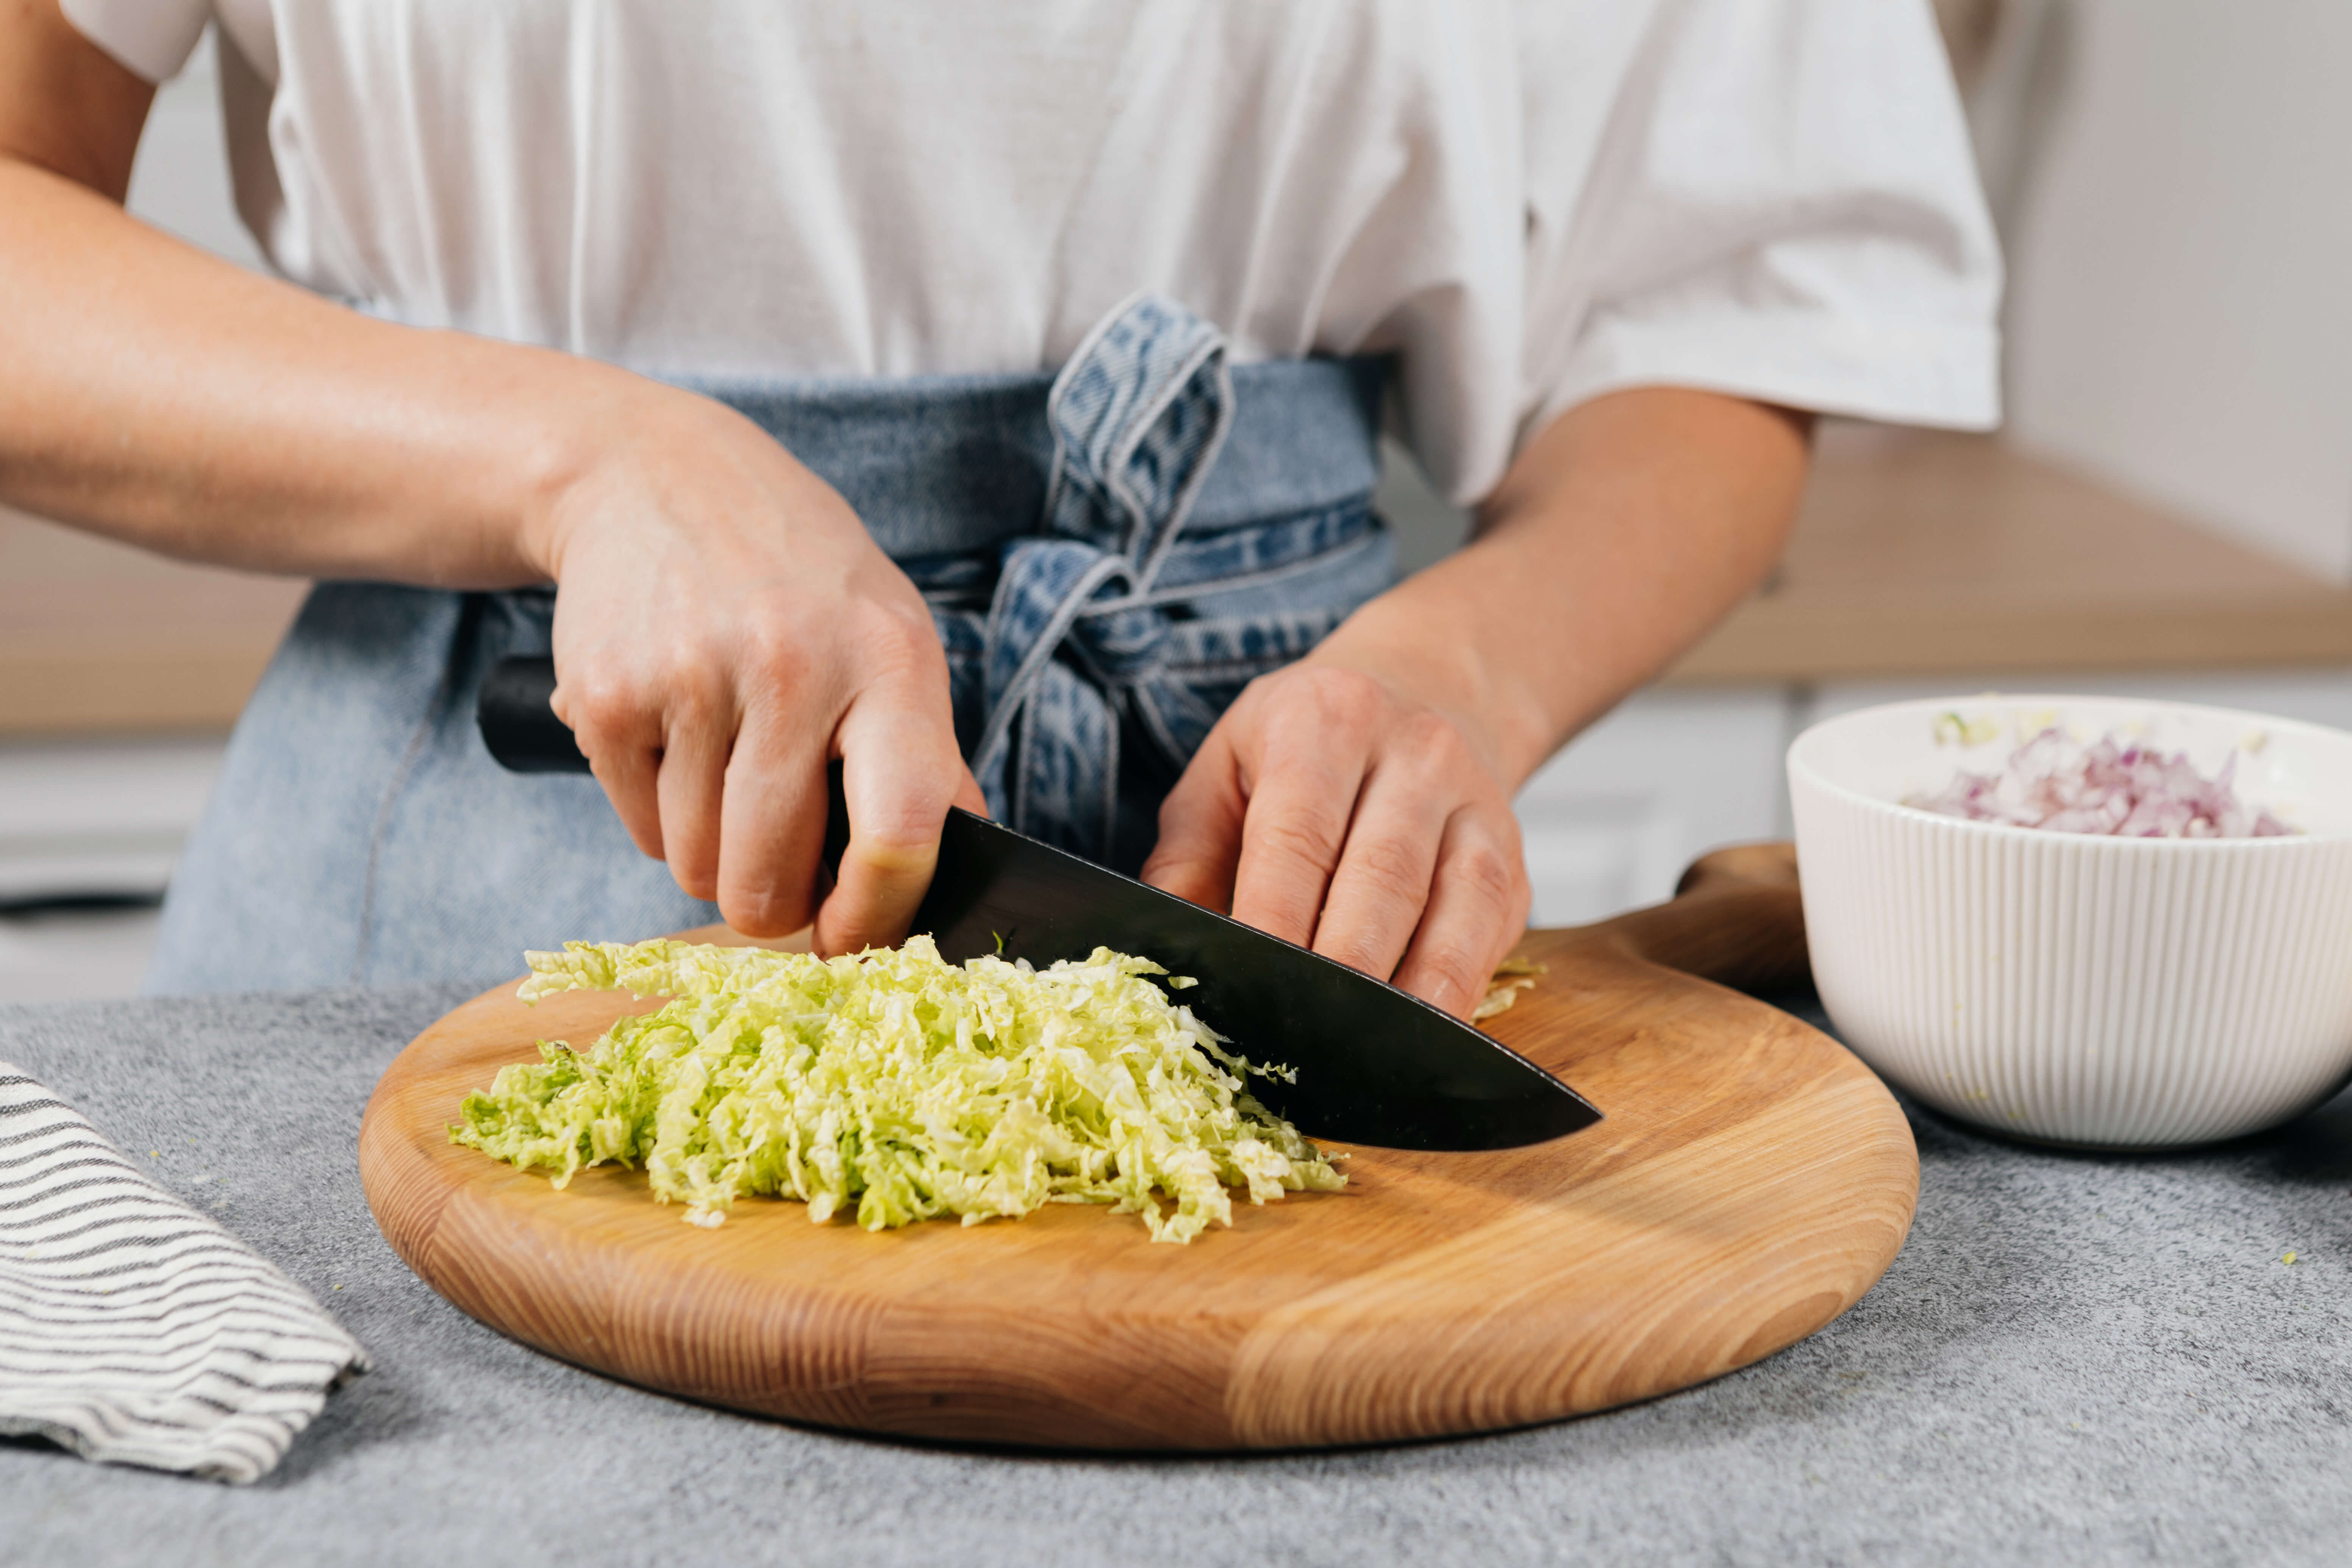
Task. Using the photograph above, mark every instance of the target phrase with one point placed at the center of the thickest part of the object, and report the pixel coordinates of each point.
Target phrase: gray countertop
(2077, 1359)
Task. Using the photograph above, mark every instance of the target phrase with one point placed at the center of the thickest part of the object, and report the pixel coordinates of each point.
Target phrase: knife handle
(524, 736)
(519, 727)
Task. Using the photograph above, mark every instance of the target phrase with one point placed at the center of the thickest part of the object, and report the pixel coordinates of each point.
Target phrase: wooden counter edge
(148, 692)
(139, 692)
(1770, 643)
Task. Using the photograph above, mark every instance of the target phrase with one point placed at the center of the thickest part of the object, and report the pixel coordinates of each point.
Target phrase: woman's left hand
(1334, 808)
(1358, 802)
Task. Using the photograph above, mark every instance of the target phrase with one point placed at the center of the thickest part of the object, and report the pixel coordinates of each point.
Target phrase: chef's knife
(1373, 1065)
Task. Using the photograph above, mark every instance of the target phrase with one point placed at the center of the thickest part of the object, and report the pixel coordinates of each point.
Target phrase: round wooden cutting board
(1750, 1182)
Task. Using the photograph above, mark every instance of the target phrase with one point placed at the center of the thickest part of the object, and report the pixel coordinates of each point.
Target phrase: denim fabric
(1110, 555)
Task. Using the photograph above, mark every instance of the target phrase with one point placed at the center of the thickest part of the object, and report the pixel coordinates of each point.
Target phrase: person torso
(1531, 202)
(902, 187)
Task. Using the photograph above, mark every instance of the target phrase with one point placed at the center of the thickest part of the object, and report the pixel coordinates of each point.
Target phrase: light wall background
(2174, 181)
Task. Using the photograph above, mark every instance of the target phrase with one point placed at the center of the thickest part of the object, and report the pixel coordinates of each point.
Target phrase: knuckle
(1298, 841)
(886, 641)
(1348, 698)
(899, 837)
(776, 649)
(695, 694)
(1332, 701)
(1484, 871)
(899, 825)
(1427, 732)
(602, 706)
(1447, 752)
(1390, 869)
(1430, 751)
(761, 910)
(903, 639)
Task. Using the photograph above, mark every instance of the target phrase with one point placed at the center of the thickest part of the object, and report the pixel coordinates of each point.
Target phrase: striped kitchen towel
(134, 1330)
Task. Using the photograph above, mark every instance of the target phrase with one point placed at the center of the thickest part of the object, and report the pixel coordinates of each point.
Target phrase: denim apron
(1110, 554)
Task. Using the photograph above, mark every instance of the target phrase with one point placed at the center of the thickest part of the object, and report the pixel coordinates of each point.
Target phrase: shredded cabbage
(897, 1082)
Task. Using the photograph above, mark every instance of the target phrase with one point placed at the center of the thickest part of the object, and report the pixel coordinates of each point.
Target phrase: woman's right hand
(724, 627)
(723, 624)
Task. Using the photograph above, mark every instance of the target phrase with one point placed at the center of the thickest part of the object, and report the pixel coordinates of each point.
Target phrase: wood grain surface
(1750, 1182)
(1929, 554)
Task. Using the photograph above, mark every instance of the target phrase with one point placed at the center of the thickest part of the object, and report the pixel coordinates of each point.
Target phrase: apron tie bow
(1074, 632)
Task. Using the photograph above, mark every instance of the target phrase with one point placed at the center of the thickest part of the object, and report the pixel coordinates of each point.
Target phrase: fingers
(622, 739)
(900, 770)
(1312, 757)
(771, 822)
(662, 755)
(740, 809)
(691, 785)
(1201, 828)
(717, 765)
(722, 615)
(1382, 883)
(1330, 812)
(1477, 909)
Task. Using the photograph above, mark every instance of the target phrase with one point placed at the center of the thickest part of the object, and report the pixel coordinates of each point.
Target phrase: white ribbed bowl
(2106, 992)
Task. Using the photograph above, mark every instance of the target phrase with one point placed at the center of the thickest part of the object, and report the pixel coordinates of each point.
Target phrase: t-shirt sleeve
(152, 38)
(1782, 205)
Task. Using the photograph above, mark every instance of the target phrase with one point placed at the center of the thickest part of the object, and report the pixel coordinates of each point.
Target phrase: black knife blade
(1373, 1064)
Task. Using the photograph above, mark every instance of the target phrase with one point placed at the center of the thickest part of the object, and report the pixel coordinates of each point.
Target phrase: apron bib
(1110, 553)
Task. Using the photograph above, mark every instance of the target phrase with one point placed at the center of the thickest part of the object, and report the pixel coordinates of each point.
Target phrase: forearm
(1622, 533)
(161, 396)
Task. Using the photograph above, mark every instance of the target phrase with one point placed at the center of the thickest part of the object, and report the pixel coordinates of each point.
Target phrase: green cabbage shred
(897, 1082)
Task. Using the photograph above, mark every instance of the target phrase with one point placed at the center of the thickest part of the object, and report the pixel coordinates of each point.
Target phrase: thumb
(899, 772)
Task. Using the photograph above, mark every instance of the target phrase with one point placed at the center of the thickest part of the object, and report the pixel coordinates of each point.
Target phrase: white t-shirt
(1535, 200)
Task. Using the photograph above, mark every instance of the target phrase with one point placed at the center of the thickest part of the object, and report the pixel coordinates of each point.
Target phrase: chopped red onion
(2127, 790)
